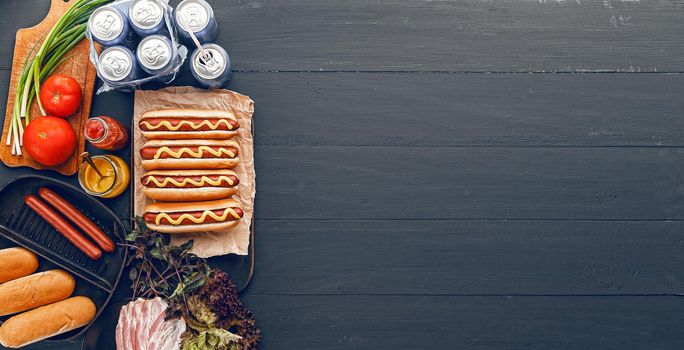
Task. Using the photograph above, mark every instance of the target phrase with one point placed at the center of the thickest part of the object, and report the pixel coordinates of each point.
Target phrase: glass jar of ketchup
(105, 133)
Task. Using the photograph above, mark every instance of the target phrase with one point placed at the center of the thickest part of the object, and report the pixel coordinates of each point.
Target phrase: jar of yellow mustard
(113, 180)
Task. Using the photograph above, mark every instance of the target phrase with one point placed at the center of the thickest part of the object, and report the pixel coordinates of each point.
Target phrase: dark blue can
(116, 65)
(211, 70)
(146, 17)
(109, 26)
(199, 16)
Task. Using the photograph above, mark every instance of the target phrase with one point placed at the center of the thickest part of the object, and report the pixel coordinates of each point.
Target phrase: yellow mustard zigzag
(200, 152)
(205, 122)
(201, 183)
(219, 218)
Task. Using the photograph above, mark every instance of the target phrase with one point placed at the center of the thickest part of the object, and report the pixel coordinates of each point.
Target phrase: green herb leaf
(131, 237)
(162, 269)
(157, 253)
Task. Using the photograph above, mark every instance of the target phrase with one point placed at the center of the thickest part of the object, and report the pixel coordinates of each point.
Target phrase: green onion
(65, 34)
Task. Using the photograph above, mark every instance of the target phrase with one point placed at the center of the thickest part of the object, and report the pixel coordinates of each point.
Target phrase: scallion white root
(64, 35)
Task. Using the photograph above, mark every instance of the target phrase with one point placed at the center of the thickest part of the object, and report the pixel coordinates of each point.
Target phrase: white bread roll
(46, 321)
(17, 262)
(35, 290)
(214, 226)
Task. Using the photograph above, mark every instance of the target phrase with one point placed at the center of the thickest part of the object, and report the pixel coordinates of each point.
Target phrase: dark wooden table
(456, 174)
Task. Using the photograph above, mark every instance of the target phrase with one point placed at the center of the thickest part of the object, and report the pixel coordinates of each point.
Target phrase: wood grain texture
(417, 257)
(390, 322)
(472, 322)
(502, 110)
(550, 215)
(517, 110)
(466, 109)
(408, 183)
(76, 65)
(18, 14)
(463, 35)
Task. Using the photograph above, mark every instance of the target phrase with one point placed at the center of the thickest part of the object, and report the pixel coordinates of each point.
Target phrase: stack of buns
(42, 300)
(188, 160)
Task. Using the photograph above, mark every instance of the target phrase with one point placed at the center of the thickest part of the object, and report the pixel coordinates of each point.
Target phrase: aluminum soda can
(156, 54)
(212, 71)
(146, 17)
(199, 16)
(109, 26)
(117, 65)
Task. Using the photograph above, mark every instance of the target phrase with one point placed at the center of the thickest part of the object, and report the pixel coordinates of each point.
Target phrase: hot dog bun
(17, 262)
(230, 214)
(35, 290)
(189, 185)
(177, 124)
(188, 154)
(46, 321)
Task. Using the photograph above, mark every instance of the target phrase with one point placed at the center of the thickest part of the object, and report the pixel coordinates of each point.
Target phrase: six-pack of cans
(140, 41)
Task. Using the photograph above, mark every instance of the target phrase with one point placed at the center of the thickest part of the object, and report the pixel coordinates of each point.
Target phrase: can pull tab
(147, 13)
(184, 24)
(209, 63)
(106, 25)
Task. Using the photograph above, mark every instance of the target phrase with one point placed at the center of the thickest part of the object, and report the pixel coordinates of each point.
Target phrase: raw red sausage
(63, 227)
(76, 217)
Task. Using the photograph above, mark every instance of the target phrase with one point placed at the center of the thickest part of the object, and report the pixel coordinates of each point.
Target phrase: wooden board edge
(70, 167)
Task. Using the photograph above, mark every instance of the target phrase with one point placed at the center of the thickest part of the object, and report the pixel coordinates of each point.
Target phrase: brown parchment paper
(234, 240)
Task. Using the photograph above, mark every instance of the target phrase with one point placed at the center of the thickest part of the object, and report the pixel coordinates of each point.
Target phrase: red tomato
(60, 95)
(49, 140)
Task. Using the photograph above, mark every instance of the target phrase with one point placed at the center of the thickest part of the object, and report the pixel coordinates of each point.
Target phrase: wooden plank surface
(550, 214)
(351, 109)
(406, 183)
(75, 64)
(467, 109)
(468, 257)
(18, 14)
(470, 322)
(464, 35)
(351, 322)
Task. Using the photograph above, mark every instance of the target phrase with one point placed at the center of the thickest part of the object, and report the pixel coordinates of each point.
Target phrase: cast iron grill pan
(20, 226)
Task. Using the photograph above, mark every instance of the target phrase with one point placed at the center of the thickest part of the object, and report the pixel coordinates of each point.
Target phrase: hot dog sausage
(150, 152)
(187, 124)
(152, 217)
(76, 217)
(63, 227)
(147, 182)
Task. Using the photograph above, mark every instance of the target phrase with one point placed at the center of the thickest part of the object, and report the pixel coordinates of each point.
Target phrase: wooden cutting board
(77, 65)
